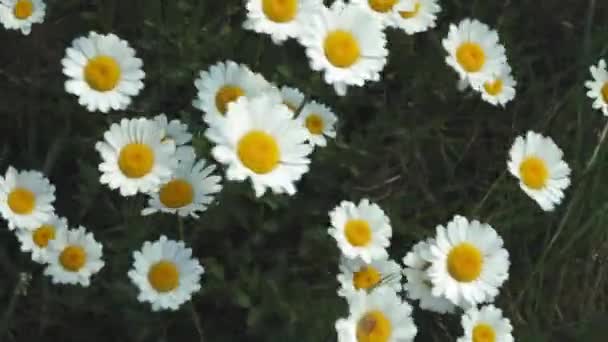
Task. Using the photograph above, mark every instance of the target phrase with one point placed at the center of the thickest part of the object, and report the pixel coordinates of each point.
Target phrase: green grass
(413, 143)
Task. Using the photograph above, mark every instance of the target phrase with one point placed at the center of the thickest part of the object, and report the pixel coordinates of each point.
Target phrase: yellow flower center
(484, 333)
(374, 326)
(176, 194)
(358, 233)
(280, 11)
(23, 9)
(341, 48)
(382, 6)
(136, 160)
(605, 92)
(164, 276)
(43, 235)
(226, 95)
(465, 262)
(259, 151)
(102, 73)
(315, 124)
(534, 172)
(21, 201)
(493, 87)
(470, 56)
(411, 14)
(73, 258)
(366, 278)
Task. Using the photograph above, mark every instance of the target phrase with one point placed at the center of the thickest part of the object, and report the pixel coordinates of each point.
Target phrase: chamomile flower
(135, 159)
(500, 89)
(37, 240)
(21, 14)
(418, 285)
(190, 191)
(320, 122)
(362, 230)
(598, 87)
(467, 262)
(103, 72)
(292, 98)
(474, 51)
(377, 316)
(543, 175)
(420, 18)
(281, 19)
(355, 274)
(383, 10)
(260, 140)
(166, 273)
(486, 324)
(26, 199)
(347, 44)
(73, 256)
(173, 130)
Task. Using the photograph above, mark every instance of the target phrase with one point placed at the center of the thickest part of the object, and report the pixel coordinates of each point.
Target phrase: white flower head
(21, 14)
(173, 130)
(500, 89)
(320, 122)
(486, 324)
(382, 10)
(355, 274)
(36, 241)
(598, 87)
(421, 17)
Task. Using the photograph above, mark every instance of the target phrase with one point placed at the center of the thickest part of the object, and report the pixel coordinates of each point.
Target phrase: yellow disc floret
(366, 278)
(358, 232)
(382, 6)
(259, 152)
(164, 276)
(374, 326)
(605, 92)
(465, 262)
(534, 172)
(411, 14)
(43, 235)
(484, 333)
(102, 73)
(493, 87)
(23, 9)
(280, 11)
(341, 48)
(21, 201)
(73, 258)
(315, 124)
(176, 194)
(470, 56)
(226, 95)
(136, 160)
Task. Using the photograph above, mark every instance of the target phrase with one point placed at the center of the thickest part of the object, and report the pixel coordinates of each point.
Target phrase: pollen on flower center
(534, 172)
(471, 56)
(136, 160)
(382, 6)
(314, 123)
(484, 333)
(225, 95)
(23, 9)
(102, 73)
(358, 233)
(465, 262)
(21, 201)
(259, 151)
(164, 276)
(605, 92)
(341, 48)
(411, 14)
(176, 194)
(366, 278)
(73, 258)
(374, 326)
(280, 11)
(43, 235)
(493, 87)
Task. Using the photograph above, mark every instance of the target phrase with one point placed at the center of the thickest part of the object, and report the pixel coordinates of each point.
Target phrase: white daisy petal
(598, 87)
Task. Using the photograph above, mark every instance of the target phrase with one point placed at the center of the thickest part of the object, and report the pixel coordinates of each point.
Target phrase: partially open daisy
(598, 87)
(189, 192)
(21, 14)
(166, 273)
(537, 162)
(362, 230)
(474, 51)
(135, 159)
(377, 316)
(320, 122)
(292, 98)
(486, 324)
(37, 240)
(347, 43)
(500, 89)
(355, 274)
(281, 19)
(73, 256)
(26, 198)
(260, 140)
(383, 10)
(103, 72)
(468, 262)
(173, 130)
(420, 18)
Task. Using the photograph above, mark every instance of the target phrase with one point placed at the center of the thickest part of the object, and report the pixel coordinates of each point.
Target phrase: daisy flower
(486, 324)
(292, 98)
(500, 89)
(103, 72)
(382, 10)
(173, 130)
(420, 18)
(260, 140)
(355, 274)
(377, 316)
(21, 14)
(474, 51)
(26, 199)
(543, 175)
(135, 159)
(281, 19)
(347, 43)
(320, 122)
(190, 190)
(73, 256)
(418, 285)
(166, 273)
(37, 240)
(362, 230)
(598, 88)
